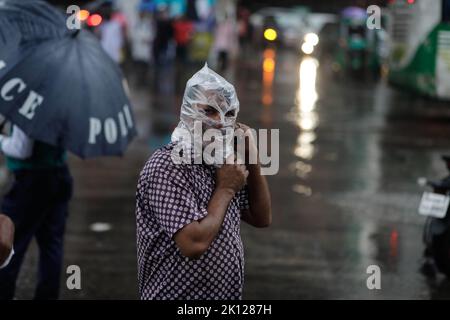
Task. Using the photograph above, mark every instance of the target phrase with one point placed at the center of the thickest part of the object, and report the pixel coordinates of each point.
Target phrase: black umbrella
(58, 85)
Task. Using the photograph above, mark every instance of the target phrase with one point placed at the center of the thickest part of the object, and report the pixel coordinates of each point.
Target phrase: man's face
(214, 115)
(223, 121)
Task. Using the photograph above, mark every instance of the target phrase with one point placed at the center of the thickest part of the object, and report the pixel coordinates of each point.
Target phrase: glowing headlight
(270, 34)
(307, 48)
(312, 38)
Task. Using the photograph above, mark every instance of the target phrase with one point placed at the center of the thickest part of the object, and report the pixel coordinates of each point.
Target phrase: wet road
(345, 196)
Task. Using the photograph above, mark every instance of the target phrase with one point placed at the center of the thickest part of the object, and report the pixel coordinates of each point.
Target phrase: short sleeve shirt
(169, 197)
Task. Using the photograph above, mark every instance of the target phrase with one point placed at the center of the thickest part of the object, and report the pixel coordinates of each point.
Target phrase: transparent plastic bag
(207, 88)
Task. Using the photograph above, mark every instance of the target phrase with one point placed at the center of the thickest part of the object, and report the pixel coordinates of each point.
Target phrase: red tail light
(94, 20)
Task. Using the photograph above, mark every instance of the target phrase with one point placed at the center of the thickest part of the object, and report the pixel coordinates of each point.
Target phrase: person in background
(6, 240)
(183, 29)
(112, 36)
(120, 17)
(164, 36)
(142, 42)
(243, 26)
(225, 41)
(38, 205)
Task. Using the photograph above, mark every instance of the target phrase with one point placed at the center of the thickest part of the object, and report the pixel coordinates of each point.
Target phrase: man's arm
(259, 214)
(195, 238)
(6, 238)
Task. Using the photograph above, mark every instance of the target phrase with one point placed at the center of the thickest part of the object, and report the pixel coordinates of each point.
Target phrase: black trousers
(38, 205)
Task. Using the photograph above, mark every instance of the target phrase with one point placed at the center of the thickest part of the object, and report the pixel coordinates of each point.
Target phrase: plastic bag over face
(206, 88)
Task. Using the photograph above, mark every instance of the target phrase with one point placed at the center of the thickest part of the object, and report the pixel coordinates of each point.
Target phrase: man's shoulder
(162, 161)
(161, 155)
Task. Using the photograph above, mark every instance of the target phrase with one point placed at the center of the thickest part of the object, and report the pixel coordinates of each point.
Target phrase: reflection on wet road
(307, 120)
(345, 196)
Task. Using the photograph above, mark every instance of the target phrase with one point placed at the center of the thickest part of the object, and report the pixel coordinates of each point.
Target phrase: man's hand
(195, 238)
(260, 213)
(251, 150)
(6, 237)
(231, 177)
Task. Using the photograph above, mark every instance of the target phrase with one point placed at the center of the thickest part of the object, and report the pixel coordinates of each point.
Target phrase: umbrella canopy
(58, 85)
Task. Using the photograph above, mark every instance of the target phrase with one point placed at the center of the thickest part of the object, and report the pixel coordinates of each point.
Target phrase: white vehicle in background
(316, 21)
(317, 24)
(285, 25)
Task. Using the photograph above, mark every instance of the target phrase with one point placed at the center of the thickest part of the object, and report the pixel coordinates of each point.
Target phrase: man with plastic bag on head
(188, 213)
(209, 102)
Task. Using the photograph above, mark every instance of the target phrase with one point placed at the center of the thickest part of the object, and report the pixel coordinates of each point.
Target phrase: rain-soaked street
(345, 196)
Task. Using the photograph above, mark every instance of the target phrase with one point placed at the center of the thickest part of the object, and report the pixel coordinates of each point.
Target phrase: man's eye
(230, 114)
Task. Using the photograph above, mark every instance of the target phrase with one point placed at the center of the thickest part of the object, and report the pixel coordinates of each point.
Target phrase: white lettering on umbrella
(111, 127)
(29, 107)
(2, 64)
(127, 112)
(9, 86)
(95, 127)
(123, 126)
(110, 130)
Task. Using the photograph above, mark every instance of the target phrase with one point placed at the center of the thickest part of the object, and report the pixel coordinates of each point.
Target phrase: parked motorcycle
(436, 234)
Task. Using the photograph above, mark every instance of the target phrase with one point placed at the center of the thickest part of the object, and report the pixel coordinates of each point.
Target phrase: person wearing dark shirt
(37, 204)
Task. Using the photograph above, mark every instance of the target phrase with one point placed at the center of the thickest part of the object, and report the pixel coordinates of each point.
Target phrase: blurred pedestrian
(120, 17)
(183, 30)
(142, 36)
(225, 41)
(67, 111)
(243, 26)
(38, 205)
(112, 37)
(189, 215)
(6, 240)
(163, 43)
